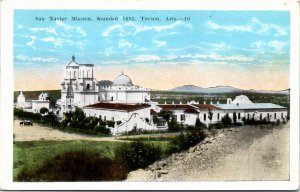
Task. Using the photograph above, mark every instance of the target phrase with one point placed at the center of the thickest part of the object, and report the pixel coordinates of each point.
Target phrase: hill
(221, 89)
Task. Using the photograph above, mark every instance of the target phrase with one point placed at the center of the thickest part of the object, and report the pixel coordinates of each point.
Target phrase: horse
(21, 123)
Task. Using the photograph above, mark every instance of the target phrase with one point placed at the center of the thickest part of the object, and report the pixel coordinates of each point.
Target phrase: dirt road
(37, 132)
(247, 153)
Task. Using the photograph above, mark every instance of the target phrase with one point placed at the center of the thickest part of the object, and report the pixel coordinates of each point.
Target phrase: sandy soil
(37, 132)
(247, 153)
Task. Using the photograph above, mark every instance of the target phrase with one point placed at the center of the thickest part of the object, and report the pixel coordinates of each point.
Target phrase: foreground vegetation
(74, 160)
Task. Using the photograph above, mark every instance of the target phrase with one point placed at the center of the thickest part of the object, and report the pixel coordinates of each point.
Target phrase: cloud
(30, 43)
(229, 28)
(40, 59)
(265, 28)
(71, 28)
(46, 29)
(159, 43)
(59, 42)
(131, 28)
(274, 44)
(254, 26)
(108, 51)
(124, 43)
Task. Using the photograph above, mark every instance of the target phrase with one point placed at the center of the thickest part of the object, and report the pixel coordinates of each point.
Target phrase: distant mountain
(221, 89)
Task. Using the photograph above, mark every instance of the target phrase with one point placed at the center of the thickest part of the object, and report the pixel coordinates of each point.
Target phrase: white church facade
(130, 105)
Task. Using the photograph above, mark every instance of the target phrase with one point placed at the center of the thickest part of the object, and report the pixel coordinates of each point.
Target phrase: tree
(44, 110)
(173, 125)
(234, 118)
(198, 124)
(226, 120)
(210, 115)
(166, 114)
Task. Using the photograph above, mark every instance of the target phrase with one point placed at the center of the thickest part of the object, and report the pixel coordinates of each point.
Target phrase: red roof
(152, 112)
(176, 106)
(118, 106)
(206, 107)
(191, 111)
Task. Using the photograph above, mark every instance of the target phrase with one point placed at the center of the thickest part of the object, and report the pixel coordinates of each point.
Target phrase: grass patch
(32, 154)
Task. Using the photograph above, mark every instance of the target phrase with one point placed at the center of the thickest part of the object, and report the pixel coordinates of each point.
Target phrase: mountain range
(222, 89)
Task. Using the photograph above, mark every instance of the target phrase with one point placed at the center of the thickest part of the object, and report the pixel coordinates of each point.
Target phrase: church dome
(122, 80)
(241, 99)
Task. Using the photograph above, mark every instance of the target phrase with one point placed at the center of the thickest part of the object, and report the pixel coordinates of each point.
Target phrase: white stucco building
(33, 105)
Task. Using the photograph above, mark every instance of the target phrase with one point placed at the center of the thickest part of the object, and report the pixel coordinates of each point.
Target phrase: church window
(204, 117)
(218, 116)
(239, 115)
(70, 74)
(112, 98)
(274, 115)
(74, 74)
(104, 118)
(88, 86)
(112, 118)
(282, 115)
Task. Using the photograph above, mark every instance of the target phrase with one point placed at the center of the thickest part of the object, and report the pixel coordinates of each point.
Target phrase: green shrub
(173, 126)
(184, 142)
(137, 154)
(102, 129)
(226, 120)
(76, 166)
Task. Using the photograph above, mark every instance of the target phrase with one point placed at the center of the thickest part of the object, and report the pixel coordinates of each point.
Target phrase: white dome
(122, 80)
(241, 99)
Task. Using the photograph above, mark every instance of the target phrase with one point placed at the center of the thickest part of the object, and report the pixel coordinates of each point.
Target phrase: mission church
(122, 101)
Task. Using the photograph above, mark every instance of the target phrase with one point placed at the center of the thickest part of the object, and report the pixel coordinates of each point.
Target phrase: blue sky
(207, 50)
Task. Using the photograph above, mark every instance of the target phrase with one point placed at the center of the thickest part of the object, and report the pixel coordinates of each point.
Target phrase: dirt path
(247, 153)
(37, 132)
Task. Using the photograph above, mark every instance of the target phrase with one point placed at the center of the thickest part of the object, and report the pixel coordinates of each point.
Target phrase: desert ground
(246, 153)
(37, 132)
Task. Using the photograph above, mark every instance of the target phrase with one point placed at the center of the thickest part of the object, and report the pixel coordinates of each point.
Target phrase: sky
(243, 49)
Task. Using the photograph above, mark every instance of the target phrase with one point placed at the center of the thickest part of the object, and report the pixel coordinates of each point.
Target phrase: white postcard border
(7, 84)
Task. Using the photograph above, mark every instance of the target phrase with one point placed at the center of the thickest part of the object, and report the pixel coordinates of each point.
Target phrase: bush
(184, 142)
(76, 166)
(226, 120)
(173, 126)
(216, 126)
(137, 154)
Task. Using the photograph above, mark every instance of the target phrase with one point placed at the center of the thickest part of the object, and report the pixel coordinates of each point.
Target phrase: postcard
(149, 95)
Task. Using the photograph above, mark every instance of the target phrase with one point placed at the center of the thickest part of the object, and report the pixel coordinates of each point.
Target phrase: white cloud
(160, 43)
(46, 29)
(108, 51)
(59, 42)
(124, 43)
(66, 27)
(30, 43)
(241, 28)
(254, 26)
(274, 44)
(133, 28)
(265, 28)
(41, 59)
